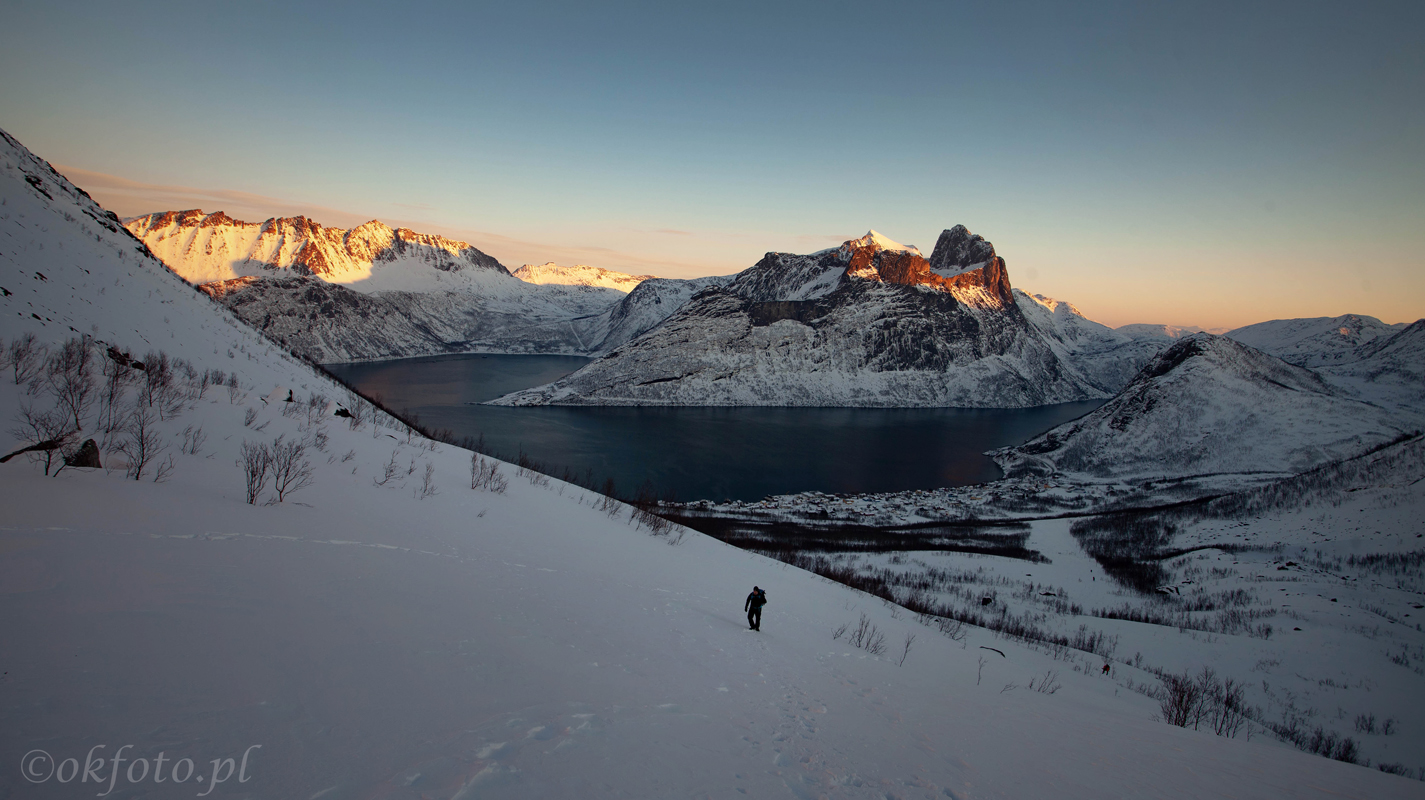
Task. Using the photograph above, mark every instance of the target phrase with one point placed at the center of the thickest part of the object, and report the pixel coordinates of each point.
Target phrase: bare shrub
(69, 376)
(118, 376)
(427, 487)
(909, 640)
(142, 442)
(49, 432)
(25, 358)
(389, 470)
(193, 439)
(163, 470)
(1048, 684)
(485, 474)
(868, 637)
(291, 471)
(249, 416)
(234, 389)
(255, 461)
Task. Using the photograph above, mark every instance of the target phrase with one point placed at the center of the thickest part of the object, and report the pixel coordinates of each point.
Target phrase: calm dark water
(705, 453)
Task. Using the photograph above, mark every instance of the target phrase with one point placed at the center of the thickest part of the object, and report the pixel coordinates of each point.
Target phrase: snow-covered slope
(1388, 371)
(1315, 342)
(373, 292)
(579, 275)
(651, 302)
(1209, 405)
(389, 632)
(1164, 333)
(1107, 357)
(856, 326)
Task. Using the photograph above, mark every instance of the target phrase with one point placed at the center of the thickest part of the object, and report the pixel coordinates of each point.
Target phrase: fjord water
(703, 453)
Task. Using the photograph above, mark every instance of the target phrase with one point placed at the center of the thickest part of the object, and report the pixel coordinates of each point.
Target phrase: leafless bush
(1206, 700)
(142, 442)
(841, 631)
(349, 455)
(388, 471)
(193, 439)
(485, 474)
(427, 487)
(909, 640)
(49, 432)
(234, 389)
(118, 376)
(868, 637)
(1048, 684)
(316, 404)
(255, 461)
(25, 358)
(249, 416)
(163, 470)
(320, 439)
(291, 471)
(69, 376)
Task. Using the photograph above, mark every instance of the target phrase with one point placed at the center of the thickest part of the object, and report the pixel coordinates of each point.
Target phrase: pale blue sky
(1180, 163)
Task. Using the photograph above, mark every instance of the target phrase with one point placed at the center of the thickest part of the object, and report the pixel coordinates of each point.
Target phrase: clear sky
(1180, 163)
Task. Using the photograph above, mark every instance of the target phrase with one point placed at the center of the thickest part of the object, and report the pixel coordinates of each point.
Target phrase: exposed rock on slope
(860, 325)
(1208, 405)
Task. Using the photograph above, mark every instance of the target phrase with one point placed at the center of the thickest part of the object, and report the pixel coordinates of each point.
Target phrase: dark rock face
(86, 456)
(957, 249)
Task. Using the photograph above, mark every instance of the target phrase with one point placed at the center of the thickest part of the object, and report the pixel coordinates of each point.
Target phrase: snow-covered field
(388, 631)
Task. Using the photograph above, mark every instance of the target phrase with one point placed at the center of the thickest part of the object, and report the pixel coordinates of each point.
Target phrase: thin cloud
(673, 232)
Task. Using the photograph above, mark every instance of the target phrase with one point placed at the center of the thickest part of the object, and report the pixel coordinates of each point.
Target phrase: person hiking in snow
(753, 607)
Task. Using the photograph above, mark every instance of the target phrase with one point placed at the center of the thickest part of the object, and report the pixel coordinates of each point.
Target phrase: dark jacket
(755, 600)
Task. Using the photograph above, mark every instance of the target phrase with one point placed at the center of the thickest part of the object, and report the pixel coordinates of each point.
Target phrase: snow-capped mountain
(1317, 341)
(579, 275)
(1163, 333)
(373, 257)
(375, 292)
(1388, 371)
(1107, 357)
(367, 638)
(1209, 404)
(858, 325)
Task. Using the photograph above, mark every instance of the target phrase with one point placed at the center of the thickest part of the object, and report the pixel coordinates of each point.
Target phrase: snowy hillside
(1107, 357)
(1209, 405)
(579, 275)
(1315, 342)
(387, 631)
(859, 325)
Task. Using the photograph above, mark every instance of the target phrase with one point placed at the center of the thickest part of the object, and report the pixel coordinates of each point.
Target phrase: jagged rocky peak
(984, 282)
(958, 250)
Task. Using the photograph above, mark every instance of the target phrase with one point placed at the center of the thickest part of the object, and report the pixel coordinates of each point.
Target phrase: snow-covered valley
(389, 631)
